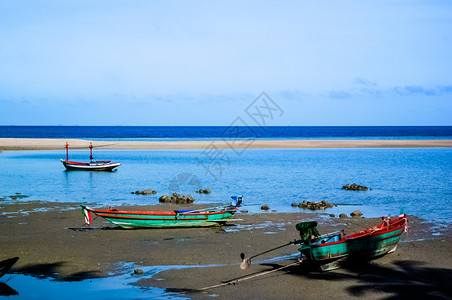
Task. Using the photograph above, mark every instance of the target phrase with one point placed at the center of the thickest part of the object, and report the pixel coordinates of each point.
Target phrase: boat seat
(329, 239)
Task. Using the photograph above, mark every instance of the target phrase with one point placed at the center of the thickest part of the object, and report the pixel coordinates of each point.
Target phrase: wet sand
(50, 240)
(59, 144)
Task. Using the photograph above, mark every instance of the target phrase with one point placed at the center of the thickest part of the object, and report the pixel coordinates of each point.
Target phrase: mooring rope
(234, 281)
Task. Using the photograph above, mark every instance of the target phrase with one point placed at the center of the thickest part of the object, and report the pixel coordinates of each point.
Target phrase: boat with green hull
(165, 219)
(330, 251)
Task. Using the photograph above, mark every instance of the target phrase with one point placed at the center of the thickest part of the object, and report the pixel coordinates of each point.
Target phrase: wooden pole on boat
(91, 152)
(67, 151)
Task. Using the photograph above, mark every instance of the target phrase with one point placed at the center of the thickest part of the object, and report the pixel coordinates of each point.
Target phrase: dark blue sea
(215, 132)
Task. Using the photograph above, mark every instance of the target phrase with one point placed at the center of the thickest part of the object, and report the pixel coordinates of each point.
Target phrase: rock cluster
(354, 187)
(145, 192)
(201, 191)
(356, 213)
(265, 207)
(177, 199)
(314, 205)
(14, 197)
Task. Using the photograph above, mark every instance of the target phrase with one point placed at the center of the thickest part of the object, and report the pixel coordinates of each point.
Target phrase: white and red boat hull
(93, 166)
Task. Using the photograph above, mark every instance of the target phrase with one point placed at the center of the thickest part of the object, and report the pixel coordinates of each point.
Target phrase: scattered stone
(244, 211)
(343, 216)
(177, 199)
(206, 191)
(265, 207)
(354, 187)
(138, 272)
(356, 213)
(145, 192)
(332, 215)
(294, 204)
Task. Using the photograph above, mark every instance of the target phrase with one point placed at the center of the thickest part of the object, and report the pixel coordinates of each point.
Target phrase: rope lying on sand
(234, 281)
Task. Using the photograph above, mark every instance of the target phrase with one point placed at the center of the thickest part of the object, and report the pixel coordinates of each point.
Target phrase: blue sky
(203, 62)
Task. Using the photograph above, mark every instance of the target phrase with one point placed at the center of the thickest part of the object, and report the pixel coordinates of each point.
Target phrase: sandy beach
(51, 241)
(59, 144)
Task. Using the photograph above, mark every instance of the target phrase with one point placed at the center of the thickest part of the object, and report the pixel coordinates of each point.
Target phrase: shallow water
(115, 287)
(415, 181)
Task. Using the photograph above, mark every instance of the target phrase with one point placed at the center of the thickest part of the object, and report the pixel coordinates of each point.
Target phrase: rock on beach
(356, 213)
(177, 199)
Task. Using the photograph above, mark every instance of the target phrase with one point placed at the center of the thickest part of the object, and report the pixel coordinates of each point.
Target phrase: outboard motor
(308, 231)
(236, 201)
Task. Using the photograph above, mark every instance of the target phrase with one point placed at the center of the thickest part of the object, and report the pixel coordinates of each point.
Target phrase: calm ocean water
(412, 180)
(215, 132)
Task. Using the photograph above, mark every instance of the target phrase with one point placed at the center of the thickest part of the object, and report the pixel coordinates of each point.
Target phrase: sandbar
(59, 144)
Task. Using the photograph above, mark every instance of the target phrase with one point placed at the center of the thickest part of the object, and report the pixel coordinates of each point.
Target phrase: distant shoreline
(15, 144)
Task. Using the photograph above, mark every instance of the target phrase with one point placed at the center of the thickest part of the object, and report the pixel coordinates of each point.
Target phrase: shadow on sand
(95, 228)
(402, 279)
(51, 271)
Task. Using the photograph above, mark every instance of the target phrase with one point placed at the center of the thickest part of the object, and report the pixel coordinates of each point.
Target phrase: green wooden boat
(330, 251)
(167, 219)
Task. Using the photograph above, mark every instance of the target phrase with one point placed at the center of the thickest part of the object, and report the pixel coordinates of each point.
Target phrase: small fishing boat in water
(330, 251)
(165, 219)
(91, 166)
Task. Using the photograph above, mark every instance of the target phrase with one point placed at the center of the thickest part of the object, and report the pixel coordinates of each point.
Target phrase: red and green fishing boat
(330, 251)
(167, 219)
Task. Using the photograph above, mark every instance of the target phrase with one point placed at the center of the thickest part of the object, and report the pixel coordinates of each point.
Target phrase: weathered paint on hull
(167, 220)
(331, 256)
